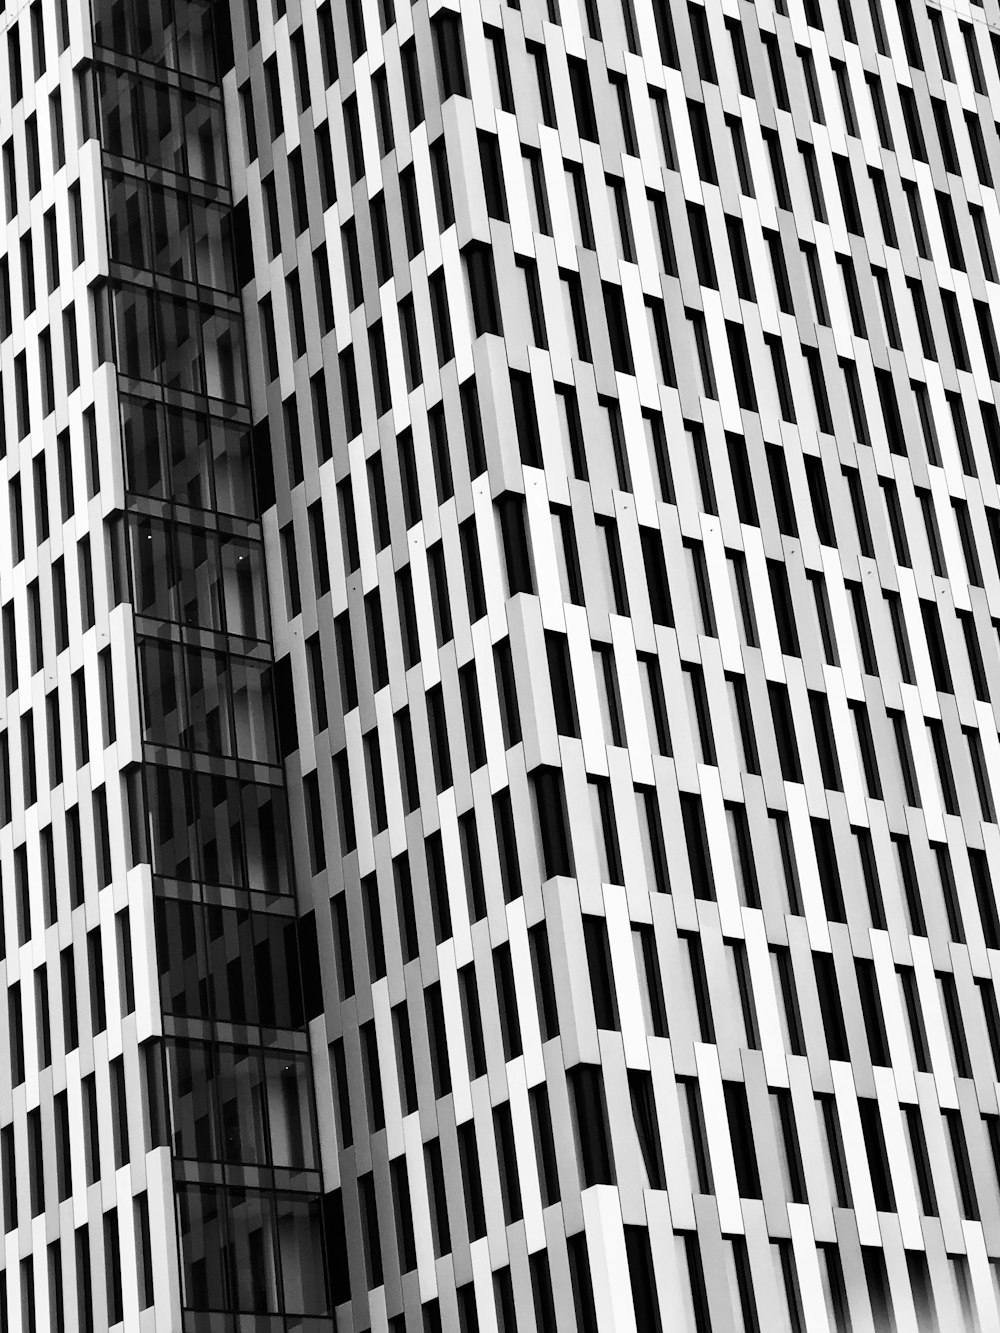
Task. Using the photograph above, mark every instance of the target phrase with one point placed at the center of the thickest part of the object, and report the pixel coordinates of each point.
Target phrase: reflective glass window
(181, 958)
(254, 1251)
(207, 701)
(240, 1104)
(181, 344)
(242, 586)
(167, 231)
(239, 1089)
(191, 1074)
(300, 1241)
(230, 948)
(180, 364)
(161, 125)
(195, 582)
(188, 457)
(251, 1251)
(135, 327)
(170, 233)
(177, 33)
(289, 1109)
(211, 234)
(143, 460)
(277, 969)
(204, 1249)
(232, 469)
(126, 224)
(222, 337)
(152, 567)
(228, 964)
(197, 577)
(217, 830)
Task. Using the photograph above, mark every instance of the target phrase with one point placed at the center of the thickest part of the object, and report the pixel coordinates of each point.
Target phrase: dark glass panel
(170, 232)
(153, 227)
(181, 958)
(163, 126)
(177, 33)
(240, 1096)
(254, 1255)
(229, 944)
(217, 830)
(210, 702)
(204, 1249)
(232, 469)
(143, 461)
(173, 453)
(251, 1251)
(126, 220)
(196, 577)
(211, 232)
(225, 366)
(183, 345)
(276, 962)
(135, 329)
(180, 364)
(191, 1075)
(289, 1109)
(240, 1104)
(230, 965)
(189, 459)
(300, 1240)
(152, 567)
(195, 587)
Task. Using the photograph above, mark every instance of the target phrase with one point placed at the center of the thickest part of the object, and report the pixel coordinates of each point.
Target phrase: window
(450, 54)
(482, 290)
(590, 1126)
(411, 84)
(586, 118)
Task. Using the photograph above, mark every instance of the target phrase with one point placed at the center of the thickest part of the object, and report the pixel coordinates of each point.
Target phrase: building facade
(500, 625)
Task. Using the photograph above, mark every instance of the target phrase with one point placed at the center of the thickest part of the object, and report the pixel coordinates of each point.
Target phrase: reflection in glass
(180, 235)
(176, 454)
(161, 125)
(251, 1250)
(190, 1079)
(179, 34)
(240, 1104)
(203, 1248)
(196, 577)
(178, 362)
(228, 964)
(152, 227)
(250, 1257)
(229, 947)
(206, 701)
(125, 220)
(240, 1095)
(180, 344)
(289, 1109)
(254, 1251)
(217, 830)
(302, 1269)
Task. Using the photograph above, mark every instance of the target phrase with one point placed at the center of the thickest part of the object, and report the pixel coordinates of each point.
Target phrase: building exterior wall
(160, 1150)
(552, 452)
(80, 1190)
(639, 600)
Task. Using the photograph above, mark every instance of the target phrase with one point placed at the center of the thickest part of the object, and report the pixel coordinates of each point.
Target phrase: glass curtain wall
(209, 807)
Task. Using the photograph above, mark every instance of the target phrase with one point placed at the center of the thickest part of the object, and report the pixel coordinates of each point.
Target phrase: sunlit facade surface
(499, 760)
(161, 1159)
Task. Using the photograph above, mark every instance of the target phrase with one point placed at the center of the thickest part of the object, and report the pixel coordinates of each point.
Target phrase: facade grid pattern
(631, 375)
(500, 727)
